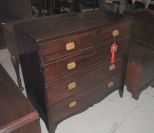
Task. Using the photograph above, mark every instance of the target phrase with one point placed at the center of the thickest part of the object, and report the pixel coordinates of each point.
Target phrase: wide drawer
(67, 45)
(85, 99)
(82, 80)
(63, 68)
(106, 33)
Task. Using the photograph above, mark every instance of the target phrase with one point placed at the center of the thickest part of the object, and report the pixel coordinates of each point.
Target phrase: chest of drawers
(143, 29)
(17, 114)
(140, 73)
(66, 61)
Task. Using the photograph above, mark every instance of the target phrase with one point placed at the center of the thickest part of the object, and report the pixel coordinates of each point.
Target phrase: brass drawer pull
(71, 65)
(2, 23)
(110, 84)
(72, 104)
(70, 46)
(108, 1)
(112, 67)
(71, 86)
(115, 32)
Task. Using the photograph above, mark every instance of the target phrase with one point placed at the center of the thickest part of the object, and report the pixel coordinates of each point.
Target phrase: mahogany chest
(17, 115)
(140, 70)
(66, 61)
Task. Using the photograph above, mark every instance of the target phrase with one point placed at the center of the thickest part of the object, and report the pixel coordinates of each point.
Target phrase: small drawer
(69, 86)
(69, 66)
(81, 101)
(119, 30)
(65, 46)
(122, 46)
(57, 70)
(82, 80)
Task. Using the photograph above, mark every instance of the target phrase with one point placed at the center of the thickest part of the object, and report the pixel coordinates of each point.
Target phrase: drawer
(65, 46)
(105, 33)
(141, 26)
(82, 80)
(85, 99)
(57, 70)
(142, 36)
(122, 45)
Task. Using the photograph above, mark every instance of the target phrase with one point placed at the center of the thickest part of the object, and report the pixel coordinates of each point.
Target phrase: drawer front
(64, 46)
(122, 46)
(82, 80)
(66, 67)
(142, 36)
(69, 66)
(85, 99)
(106, 33)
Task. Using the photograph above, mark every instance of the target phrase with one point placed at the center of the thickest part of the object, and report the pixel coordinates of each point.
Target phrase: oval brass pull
(72, 104)
(2, 23)
(115, 32)
(71, 86)
(70, 46)
(71, 65)
(110, 84)
(112, 67)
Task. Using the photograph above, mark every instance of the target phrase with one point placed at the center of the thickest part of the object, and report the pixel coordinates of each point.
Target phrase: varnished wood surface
(53, 49)
(82, 61)
(16, 110)
(49, 67)
(143, 29)
(59, 90)
(84, 99)
(62, 25)
(141, 59)
(140, 72)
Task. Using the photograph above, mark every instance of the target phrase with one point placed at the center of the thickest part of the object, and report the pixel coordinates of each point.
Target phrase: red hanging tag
(114, 47)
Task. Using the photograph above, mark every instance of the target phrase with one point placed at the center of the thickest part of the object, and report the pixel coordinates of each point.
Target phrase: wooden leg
(152, 84)
(53, 127)
(121, 90)
(136, 95)
(15, 62)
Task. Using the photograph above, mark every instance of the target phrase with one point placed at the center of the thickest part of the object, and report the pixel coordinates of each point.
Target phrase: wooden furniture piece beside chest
(10, 42)
(5, 16)
(17, 114)
(12, 11)
(140, 68)
(143, 29)
(66, 61)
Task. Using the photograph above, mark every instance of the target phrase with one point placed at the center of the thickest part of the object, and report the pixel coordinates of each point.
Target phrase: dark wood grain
(141, 60)
(105, 33)
(59, 90)
(16, 111)
(140, 69)
(67, 24)
(57, 48)
(44, 60)
(87, 98)
(82, 60)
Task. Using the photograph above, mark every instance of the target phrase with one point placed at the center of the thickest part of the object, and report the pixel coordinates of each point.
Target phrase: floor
(112, 115)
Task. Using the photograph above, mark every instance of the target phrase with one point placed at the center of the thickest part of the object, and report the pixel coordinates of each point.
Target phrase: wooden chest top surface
(52, 27)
